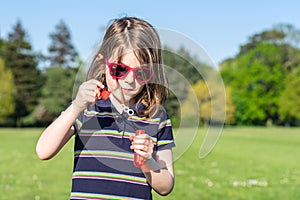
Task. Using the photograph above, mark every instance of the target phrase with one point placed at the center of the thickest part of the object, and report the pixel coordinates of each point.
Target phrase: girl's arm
(58, 133)
(159, 171)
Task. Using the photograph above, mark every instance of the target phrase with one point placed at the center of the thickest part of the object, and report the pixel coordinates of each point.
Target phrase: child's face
(128, 86)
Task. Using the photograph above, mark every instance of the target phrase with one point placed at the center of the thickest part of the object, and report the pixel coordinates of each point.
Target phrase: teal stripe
(157, 120)
(81, 195)
(79, 123)
(105, 153)
(164, 142)
(93, 112)
(164, 124)
(105, 132)
(110, 175)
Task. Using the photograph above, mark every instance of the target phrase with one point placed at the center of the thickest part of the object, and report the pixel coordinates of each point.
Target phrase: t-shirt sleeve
(165, 138)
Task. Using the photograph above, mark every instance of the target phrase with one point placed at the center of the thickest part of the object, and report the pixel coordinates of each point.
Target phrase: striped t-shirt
(103, 160)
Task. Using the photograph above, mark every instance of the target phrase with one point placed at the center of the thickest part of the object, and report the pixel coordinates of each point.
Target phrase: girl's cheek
(111, 83)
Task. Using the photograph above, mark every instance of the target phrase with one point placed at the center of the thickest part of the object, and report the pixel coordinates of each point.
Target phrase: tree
(289, 107)
(214, 102)
(181, 70)
(7, 104)
(20, 59)
(56, 94)
(257, 85)
(257, 75)
(285, 36)
(59, 78)
(62, 52)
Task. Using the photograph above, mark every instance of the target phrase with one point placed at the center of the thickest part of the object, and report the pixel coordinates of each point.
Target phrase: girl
(128, 65)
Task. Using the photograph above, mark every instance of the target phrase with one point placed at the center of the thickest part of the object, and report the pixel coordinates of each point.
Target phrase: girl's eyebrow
(131, 66)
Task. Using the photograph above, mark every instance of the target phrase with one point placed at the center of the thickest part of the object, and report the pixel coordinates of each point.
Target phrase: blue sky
(220, 27)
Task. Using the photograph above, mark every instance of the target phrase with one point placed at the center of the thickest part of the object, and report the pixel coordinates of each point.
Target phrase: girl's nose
(129, 78)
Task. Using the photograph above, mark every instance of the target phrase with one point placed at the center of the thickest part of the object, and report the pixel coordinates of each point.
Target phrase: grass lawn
(24, 176)
(247, 163)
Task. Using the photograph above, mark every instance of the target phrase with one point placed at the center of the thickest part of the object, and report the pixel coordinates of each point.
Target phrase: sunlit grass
(247, 163)
(24, 176)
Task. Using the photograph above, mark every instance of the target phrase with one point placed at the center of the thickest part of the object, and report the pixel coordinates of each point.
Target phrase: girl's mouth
(125, 90)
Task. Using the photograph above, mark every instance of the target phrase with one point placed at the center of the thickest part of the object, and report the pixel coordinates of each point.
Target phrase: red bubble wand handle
(138, 160)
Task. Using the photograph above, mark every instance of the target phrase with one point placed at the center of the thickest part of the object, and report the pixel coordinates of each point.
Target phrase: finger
(90, 97)
(90, 93)
(143, 136)
(146, 155)
(96, 82)
(140, 143)
(145, 141)
(144, 148)
(140, 147)
(92, 85)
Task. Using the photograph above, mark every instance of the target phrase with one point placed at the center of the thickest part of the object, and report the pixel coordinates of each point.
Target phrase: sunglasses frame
(134, 69)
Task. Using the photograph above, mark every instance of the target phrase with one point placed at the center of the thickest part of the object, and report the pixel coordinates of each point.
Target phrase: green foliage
(20, 59)
(259, 81)
(181, 70)
(257, 75)
(7, 105)
(184, 63)
(56, 94)
(214, 101)
(289, 102)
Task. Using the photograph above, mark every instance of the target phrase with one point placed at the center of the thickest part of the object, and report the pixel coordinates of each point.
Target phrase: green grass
(24, 176)
(247, 163)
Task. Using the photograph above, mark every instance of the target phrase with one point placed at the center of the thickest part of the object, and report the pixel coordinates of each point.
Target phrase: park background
(255, 46)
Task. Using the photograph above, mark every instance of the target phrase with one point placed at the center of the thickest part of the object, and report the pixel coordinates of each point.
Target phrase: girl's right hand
(87, 94)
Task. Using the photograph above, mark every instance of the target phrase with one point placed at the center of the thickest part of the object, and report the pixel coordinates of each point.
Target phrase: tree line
(265, 76)
(261, 81)
(31, 94)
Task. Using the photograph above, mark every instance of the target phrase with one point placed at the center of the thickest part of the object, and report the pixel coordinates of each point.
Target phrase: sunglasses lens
(118, 70)
(143, 74)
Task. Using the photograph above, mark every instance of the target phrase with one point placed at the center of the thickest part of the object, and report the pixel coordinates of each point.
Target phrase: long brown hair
(140, 36)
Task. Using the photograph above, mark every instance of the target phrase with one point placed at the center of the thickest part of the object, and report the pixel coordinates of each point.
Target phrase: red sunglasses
(120, 71)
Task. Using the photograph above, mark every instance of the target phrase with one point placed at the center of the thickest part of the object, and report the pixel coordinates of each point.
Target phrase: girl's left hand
(142, 145)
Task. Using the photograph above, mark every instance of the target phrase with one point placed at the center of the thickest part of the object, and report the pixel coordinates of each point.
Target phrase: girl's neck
(119, 105)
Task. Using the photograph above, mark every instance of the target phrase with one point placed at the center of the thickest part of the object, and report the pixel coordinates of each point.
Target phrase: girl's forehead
(120, 55)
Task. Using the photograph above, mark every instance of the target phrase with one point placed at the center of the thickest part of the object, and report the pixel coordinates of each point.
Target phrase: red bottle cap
(104, 94)
(138, 132)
